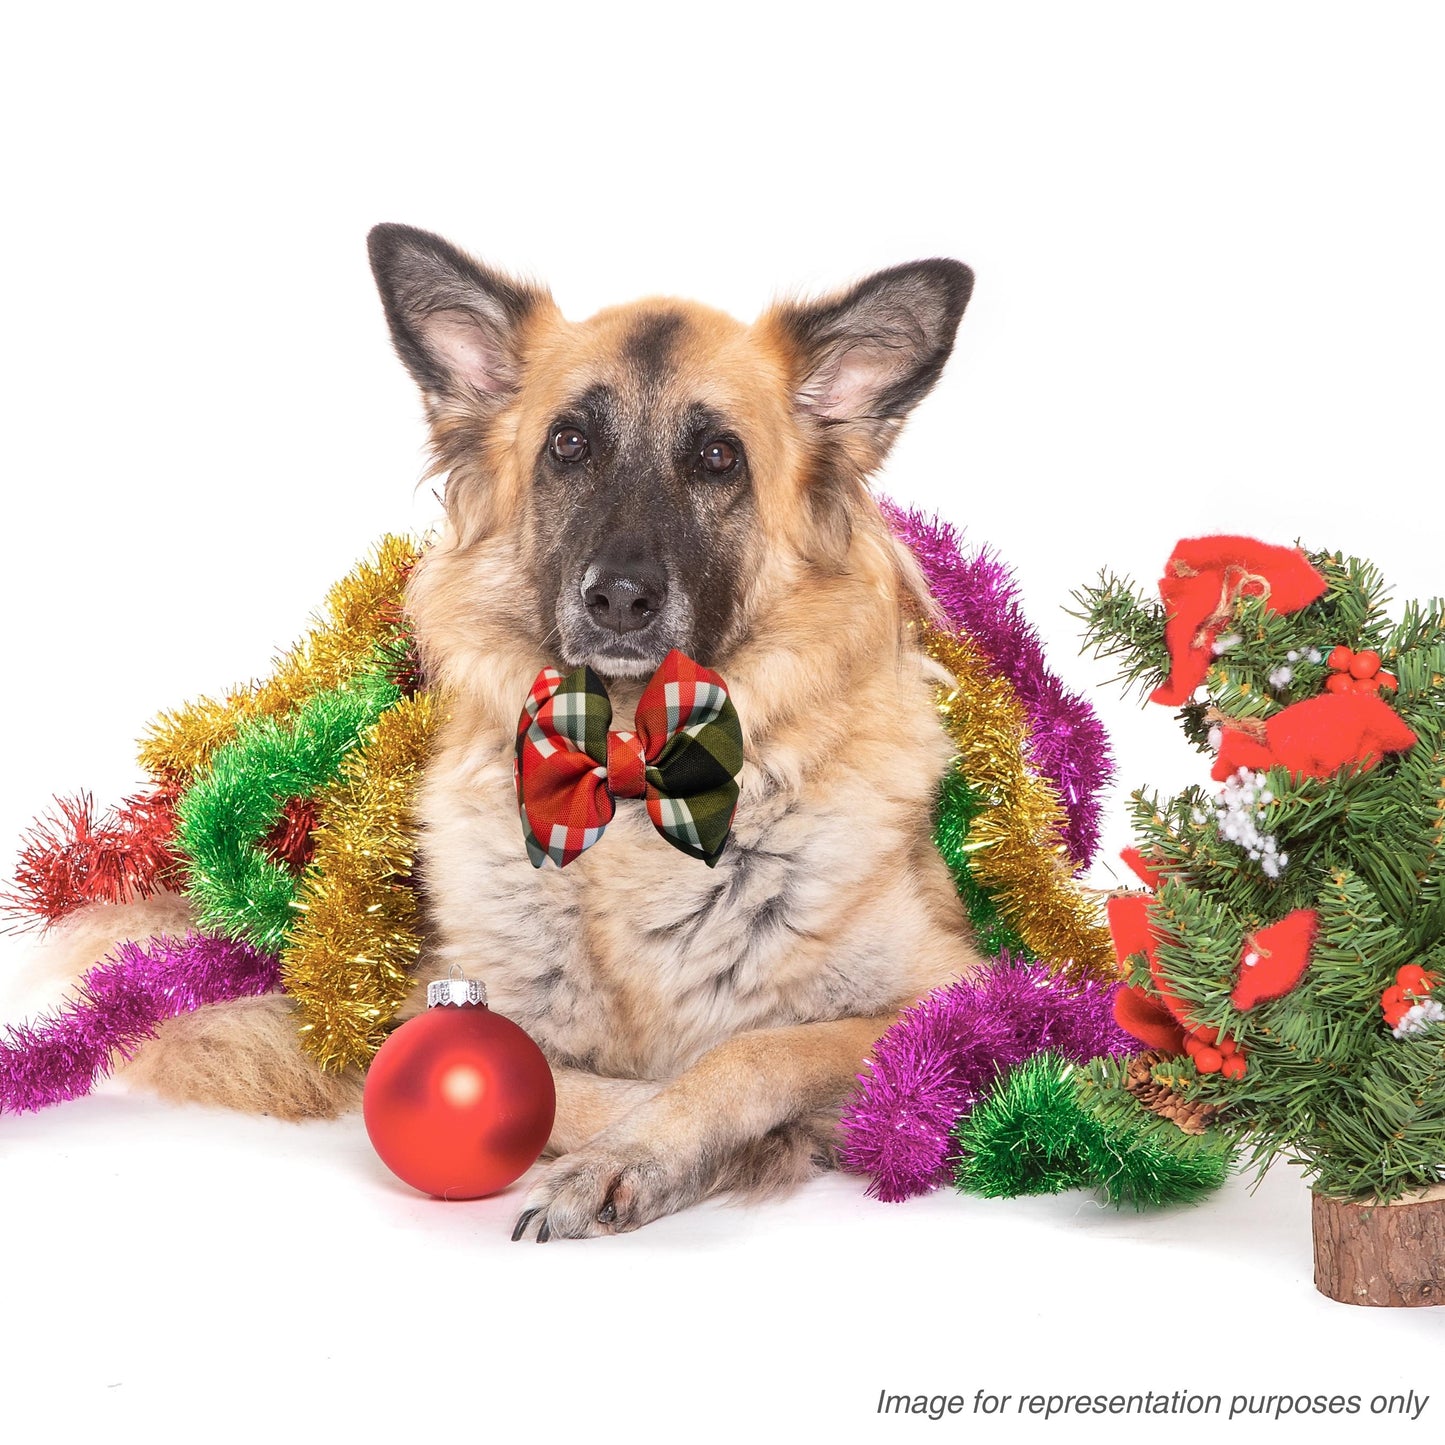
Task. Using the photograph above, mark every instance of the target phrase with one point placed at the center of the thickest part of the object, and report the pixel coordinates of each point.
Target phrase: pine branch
(1120, 623)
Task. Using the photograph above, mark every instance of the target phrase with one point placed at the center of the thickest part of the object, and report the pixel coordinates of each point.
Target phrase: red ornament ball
(1365, 664)
(459, 1102)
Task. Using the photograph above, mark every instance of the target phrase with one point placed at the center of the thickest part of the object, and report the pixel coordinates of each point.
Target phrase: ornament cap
(454, 990)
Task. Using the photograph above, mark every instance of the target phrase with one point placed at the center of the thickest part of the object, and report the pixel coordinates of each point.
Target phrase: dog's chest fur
(635, 959)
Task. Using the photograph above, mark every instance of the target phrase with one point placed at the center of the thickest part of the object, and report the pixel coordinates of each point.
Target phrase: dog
(662, 478)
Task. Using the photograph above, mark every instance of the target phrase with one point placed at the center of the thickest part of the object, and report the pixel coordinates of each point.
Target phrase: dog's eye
(569, 444)
(719, 457)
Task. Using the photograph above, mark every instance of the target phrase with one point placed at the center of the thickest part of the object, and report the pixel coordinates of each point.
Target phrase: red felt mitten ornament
(1275, 959)
(459, 1102)
(1317, 737)
(1203, 580)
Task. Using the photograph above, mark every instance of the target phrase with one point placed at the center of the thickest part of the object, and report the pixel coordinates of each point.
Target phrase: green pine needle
(1327, 1084)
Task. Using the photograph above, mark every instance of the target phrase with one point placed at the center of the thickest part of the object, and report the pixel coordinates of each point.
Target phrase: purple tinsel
(945, 1052)
(1067, 742)
(120, 1002)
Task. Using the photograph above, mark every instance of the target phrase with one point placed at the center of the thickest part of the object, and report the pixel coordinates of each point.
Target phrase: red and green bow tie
(684, 760)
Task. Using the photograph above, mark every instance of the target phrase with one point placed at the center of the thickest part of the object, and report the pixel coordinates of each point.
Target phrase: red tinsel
(290, 841)
(71, 857)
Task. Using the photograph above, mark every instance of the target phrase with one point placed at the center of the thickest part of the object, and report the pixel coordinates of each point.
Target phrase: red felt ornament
(1317, 737)
(459, 1102)
(1202, 581)
(1150, 874)
(1280, 955)
(1129, 926)
(1142, 1015)
(1160, 1022)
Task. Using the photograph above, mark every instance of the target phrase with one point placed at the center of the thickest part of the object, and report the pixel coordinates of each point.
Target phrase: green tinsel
(958, 806)
(227, 813)
(1036, 1134)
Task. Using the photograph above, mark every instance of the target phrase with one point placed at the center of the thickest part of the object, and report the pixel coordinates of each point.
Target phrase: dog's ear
(863, 359)
(455, 324)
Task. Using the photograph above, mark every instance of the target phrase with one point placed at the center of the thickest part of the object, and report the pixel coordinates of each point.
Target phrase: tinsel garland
(1067, 742)
(958, 806)
(947, 1051)
(120, 1001)
(71, 857)
(222, 821)
(362, 613)
(261, 795)
(1015, 846)
(1035, 1134)
(348, 960)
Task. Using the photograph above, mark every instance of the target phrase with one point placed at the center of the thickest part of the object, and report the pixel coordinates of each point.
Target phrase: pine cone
(1192, 1116)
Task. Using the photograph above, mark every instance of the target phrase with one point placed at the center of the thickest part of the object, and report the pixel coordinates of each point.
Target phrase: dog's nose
(623, 601)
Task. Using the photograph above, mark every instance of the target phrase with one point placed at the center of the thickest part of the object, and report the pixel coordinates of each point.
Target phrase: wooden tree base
(1390, 1254)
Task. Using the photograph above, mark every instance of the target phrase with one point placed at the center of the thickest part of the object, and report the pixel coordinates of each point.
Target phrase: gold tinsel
(349, 959)
(1017, 848)
(362, 610)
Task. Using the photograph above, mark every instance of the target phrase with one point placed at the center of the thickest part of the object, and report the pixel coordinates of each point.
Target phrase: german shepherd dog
(663, 477)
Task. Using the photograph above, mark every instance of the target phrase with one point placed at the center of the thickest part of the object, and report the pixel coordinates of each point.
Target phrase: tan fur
(704, 1025)
(611, 963)
(243, 1055)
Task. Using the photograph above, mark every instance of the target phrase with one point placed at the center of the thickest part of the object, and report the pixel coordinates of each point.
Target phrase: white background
(1209, 296)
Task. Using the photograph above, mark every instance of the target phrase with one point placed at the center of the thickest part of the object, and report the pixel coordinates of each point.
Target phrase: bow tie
(684, 760)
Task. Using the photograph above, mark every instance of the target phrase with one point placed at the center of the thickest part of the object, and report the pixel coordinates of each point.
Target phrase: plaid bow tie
(684, 759)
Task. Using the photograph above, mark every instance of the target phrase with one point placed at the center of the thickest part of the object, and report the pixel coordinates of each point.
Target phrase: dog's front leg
(588, 1103)
(699, 1133)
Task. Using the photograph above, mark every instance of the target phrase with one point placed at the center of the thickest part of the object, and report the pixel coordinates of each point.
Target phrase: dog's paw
(601, 1190)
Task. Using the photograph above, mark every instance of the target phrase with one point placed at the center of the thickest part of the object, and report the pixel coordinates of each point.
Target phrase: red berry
(1206, 1035)
(1209, 1061)
(1395, 1013)
(1233, 1067)
(1364, 684)
(1192, 1045)
(1339, 682)
(1341, 658)
(1413, 979)
(1365, 664)
(1227, 1047)
(1389, 680)
(1393, 995)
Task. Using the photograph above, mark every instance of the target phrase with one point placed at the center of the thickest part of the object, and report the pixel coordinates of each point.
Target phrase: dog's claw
(523, 1220)
(607, 1214)
(544, 1233)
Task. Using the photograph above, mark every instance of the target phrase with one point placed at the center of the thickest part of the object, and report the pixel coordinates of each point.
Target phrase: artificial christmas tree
(1284, 966)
